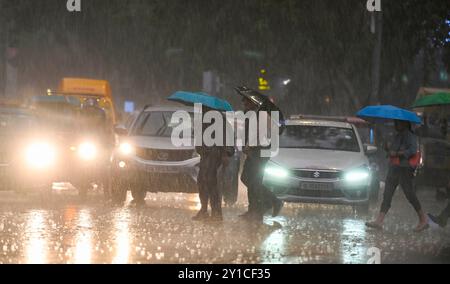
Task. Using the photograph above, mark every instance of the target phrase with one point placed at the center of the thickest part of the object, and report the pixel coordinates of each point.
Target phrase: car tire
(83, 189)
(46, 193)
(138, 192)
(118, 192)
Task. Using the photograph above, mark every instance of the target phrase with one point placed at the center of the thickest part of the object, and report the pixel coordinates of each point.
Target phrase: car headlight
(276, 171)
(126, 149)
(40, 155)
(87, 151)
(360, 174)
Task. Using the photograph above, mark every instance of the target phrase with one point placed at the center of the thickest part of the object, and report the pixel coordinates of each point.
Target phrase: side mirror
(121, 130)
(370, 149)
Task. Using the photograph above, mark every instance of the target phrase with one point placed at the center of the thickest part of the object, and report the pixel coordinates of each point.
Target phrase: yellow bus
(84, 89)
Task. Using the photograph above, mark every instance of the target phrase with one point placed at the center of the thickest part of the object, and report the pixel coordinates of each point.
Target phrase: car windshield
(156, 124)
(57, 116)
(15, 122)
(320, 137)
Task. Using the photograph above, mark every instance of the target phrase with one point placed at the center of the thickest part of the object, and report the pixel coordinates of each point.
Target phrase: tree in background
(149, 49)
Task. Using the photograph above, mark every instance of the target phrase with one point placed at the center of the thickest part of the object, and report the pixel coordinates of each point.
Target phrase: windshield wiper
(163, 128)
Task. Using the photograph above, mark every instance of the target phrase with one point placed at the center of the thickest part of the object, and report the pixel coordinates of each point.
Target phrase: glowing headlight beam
(277, 172)
(87, 151)
(357, 176)
(126, 149)
(40, 155)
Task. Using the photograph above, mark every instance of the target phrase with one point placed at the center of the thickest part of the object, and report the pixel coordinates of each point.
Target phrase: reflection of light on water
(62, 186)
(273, 248)
(122, 234)
(353, 234)
(36, 244)
(83, 246)
(194, 202)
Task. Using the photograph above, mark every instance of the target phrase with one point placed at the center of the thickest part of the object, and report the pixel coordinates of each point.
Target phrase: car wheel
(138, 193)
(118, 192)
(83, 189)
(46, 193)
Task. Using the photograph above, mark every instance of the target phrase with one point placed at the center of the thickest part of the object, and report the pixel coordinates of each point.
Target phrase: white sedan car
(321, 162)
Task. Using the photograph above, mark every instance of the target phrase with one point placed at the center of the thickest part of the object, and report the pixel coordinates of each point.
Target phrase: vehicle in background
(27, 157)
(322, 161)
(434, 140)
(147, 160)
(81, 115)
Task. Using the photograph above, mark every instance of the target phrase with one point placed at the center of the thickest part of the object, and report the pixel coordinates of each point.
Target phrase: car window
(15, 122)
(156, 124)
(320, 137)
(58, 116)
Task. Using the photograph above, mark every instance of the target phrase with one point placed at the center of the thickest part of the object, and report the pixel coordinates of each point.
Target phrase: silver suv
(147, 161)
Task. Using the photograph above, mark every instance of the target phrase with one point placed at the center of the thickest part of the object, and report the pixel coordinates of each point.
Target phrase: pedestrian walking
(401, 172)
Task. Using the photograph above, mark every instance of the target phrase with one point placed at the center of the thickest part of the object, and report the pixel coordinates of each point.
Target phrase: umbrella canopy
(388, 113)
(262, 102)
(437, 99)
(190, 98)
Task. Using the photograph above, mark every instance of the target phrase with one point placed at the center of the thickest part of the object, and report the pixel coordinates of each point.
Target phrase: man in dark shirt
(260, 198)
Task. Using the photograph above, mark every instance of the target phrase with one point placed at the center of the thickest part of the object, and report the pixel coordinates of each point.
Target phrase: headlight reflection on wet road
(353, 236)
(83, 245)
(122, 237)
(36, 247)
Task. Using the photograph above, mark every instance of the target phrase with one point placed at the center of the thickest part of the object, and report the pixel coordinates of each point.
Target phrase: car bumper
(14, 178)
(158, 176)
(291, 189)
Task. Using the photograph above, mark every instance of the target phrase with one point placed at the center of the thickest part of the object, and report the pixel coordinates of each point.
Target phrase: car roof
(15, 110)
(316, 122)
(169, 108)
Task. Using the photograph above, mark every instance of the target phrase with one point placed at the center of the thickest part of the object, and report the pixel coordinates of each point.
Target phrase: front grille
(164, 155)
(317, 193)
(316, 174)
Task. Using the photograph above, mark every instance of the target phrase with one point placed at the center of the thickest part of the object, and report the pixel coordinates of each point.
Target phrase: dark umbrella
(261, 101)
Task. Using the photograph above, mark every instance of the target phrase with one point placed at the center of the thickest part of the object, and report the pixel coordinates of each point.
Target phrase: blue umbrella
(201, 98)
(389, 112)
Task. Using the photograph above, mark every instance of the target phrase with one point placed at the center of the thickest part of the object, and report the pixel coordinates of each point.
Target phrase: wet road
(65, 230)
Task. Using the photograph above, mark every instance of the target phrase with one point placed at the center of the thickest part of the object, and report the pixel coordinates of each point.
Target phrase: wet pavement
(66, 230)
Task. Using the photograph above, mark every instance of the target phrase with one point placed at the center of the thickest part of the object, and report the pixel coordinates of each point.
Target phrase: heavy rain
(355, 95)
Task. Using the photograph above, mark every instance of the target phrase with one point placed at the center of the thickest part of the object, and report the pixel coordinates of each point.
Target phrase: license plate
(159, 169)
(315, 186)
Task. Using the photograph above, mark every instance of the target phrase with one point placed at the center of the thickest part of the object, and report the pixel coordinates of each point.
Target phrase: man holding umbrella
(260, 198)
(212, 157)
(403, 155)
